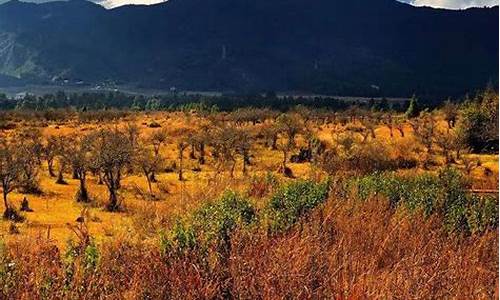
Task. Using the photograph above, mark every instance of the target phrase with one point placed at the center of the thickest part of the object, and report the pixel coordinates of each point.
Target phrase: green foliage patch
(293, 201)
(443, 194)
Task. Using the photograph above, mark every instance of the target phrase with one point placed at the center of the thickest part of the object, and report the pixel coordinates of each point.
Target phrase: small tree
(49, 151)
(149, 162)
(478, 124)
(10, 174)
(270, 135)
(63, 155)
(289, 126)
(157, 140)
(111, 152)
(413, 110)
(400, 126)
(243, 147)
(225, 147)
(183, 135)
(424, 130)
(450, 111)
(30, 146)
(444, 141)
(78, 157)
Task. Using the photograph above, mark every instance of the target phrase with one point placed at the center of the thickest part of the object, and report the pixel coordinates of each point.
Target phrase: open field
(247, 204)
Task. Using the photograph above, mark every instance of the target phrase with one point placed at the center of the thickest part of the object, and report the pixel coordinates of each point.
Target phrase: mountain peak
(321, 46)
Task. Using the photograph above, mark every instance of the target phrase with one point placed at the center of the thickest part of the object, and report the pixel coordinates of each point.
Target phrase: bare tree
(49, 151)
(243, 147)
(424, 129)
(270, 135)
(289, 126)
(149, 161)
(443, 140)
(157, 140)
(450, 111)
(78, 156)
(10, 174)
(183, 135)
(399, 124)
(389, 122)
(62, 154)
(369, 126)
(29, 145)
(112, 152)
(224, 145)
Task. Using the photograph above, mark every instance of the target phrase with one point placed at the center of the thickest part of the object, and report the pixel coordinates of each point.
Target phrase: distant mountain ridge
(355, 47)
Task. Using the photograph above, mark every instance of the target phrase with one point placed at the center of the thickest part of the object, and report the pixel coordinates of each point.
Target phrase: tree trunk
(233, 165)
(60, 177)
(274, 143)
(5, 203)
(113, 200)
(152, 177)
(201, 159)
(149, 179)
(180, 168)
(285, 153)
(83, 195)
(50, 166)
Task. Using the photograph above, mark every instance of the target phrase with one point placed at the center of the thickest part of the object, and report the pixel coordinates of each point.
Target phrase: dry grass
(346, 249)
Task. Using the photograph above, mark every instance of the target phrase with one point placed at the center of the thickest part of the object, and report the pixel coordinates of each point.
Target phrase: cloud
(453, 4)
(116, 3)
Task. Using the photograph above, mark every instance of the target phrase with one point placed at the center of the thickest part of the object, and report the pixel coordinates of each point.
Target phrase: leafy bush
(443, 194)
(482, 214)
(91, 257)
(215, 221)
(181, 239)
(293, 201)
(478, 125)
(211, 225)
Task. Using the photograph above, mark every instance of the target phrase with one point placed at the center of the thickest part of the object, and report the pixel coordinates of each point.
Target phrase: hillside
(372, 48)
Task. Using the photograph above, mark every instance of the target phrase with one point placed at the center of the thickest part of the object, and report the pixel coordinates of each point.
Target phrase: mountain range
(355, 47)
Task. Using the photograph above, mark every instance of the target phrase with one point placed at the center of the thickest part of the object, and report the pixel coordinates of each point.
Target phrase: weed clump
(293, 201)
(444, 194)
(210, 226)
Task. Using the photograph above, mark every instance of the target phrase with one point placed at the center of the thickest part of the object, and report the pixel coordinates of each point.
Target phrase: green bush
(210, 225)
(216, 220)
(294, 200)
(482, 214)
(443, 194)
(181, 239)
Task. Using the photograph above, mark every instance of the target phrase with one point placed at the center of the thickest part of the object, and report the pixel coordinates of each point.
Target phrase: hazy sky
(452, 4)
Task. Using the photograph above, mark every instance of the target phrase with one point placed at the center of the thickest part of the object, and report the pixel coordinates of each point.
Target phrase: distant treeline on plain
(119, 100)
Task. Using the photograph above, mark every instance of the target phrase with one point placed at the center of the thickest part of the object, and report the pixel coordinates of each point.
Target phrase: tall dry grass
(347, 249)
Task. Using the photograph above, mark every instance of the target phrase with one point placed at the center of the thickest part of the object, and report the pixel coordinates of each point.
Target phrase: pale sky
(454, 4)
(451, 4)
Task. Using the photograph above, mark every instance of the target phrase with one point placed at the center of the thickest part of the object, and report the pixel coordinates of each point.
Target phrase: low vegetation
(299, 203)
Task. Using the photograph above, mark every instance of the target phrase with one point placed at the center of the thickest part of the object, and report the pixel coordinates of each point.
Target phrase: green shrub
(91, 257)
(215, 221)
(294, 200)
(482, 214)
(180, 239)
(443, 194)
(8, 276)
(210, 225)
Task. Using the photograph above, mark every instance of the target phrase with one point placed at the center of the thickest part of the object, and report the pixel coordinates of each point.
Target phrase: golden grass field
(56, 207)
